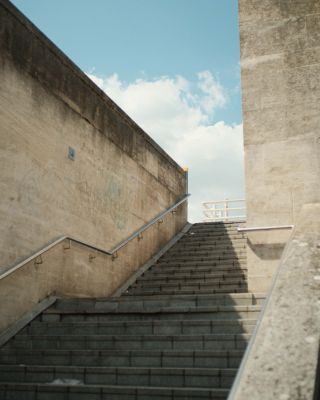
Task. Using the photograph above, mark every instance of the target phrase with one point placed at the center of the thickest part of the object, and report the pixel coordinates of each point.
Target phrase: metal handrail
(265, 228)
(110, 252)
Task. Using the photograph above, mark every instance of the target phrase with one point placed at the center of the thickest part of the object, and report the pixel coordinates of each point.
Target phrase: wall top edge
(82, 78)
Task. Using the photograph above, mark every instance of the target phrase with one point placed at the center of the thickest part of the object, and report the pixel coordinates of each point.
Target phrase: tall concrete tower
(280, 68)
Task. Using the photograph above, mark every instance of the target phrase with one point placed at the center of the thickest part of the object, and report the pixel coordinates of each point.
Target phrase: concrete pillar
(280, 69)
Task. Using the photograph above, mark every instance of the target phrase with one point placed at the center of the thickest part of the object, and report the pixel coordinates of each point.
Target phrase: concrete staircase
(179, 332)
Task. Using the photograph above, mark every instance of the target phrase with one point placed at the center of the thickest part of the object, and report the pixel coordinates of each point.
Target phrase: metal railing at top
(112, 252)
(224, 210)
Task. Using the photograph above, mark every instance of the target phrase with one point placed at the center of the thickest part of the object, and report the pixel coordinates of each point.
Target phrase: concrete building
(280, 63)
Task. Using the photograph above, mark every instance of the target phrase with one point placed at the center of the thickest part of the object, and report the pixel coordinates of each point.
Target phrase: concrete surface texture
(177, 332)
(72, 164)
(282, 363)
(118, 179)
(280, 64)
(74, 270)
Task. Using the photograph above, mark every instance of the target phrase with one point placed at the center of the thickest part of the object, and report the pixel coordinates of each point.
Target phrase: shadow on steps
(179, 332)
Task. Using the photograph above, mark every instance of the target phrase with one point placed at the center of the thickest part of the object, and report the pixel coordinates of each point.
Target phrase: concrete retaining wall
(118, 180)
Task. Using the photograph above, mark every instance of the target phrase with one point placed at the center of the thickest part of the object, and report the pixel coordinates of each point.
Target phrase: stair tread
(153, 322)
(194, 297)
(172, 352)
(154, 310)
(121, 299)
(223, 336)
(187, 370)
(78, 387)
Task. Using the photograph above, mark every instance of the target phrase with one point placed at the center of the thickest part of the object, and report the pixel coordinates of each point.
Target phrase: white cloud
(177, 113)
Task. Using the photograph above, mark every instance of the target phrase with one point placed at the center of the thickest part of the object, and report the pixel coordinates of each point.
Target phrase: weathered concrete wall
(71, 269)
(280, 67)
(283, 357)
(120, 177)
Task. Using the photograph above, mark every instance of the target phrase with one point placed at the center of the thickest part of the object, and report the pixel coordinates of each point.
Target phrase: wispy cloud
(178, 114)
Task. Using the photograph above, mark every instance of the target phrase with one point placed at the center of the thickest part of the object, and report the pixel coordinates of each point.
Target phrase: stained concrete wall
(70, 269)
(120, 177)
(280, 68)
(281, 362)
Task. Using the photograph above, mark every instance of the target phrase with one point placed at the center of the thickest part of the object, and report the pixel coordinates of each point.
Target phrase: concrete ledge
(281, 360)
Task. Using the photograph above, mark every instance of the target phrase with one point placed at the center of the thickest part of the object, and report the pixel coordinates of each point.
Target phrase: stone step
(218, 225)
(146, 302)
(162, 313)
(206, 250)
(217, 245)
(204, 263)
(213, 240)
(220, 230)
(209, 284)
(123, 376)
(183, 276)
(213, 234)
(141, 291)
(130, 342)
(221, 223)
(191, 278)
(230, 299)
(209, 289)
(195, 257)
(207, 247)
(169, 292)
(223, 254)
(33, 391)
(155, 327)
(124, 358)
(119, 303)
(191, 275)
(184, 269)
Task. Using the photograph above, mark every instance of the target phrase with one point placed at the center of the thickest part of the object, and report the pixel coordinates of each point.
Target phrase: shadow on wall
(269, 251)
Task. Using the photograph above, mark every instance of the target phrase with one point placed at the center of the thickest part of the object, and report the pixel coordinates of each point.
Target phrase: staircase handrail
(265, 228)
(113, 251)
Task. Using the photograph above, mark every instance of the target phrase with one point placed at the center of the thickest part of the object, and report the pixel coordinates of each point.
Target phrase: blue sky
(184, 50)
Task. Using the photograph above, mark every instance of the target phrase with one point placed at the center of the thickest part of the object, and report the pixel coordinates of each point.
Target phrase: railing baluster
(224, 210)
